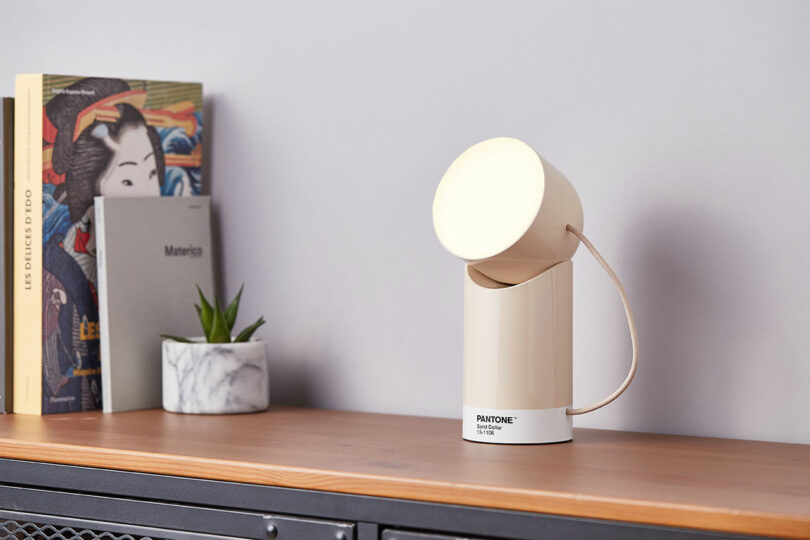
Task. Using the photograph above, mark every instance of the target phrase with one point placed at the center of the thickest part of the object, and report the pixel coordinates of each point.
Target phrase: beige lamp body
(516, 220)
(517, 358)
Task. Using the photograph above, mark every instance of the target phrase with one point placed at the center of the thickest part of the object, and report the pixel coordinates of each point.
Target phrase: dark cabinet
(42, 501)
(295, 473)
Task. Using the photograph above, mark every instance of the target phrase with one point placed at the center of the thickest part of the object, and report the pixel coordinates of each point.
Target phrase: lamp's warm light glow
(488, 198)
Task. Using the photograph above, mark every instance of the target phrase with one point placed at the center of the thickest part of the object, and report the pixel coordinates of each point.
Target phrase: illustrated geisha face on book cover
(110, 137)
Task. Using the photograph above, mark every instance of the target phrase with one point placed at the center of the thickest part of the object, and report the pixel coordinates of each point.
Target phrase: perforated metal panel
(25, 530)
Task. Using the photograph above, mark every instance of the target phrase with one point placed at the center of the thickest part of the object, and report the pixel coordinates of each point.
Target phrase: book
(148, 269)
(6, 198)
(76, 138)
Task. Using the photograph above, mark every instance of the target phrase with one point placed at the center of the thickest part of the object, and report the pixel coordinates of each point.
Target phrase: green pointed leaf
(233, 309)
(176, 338)
(206, 313)
(219, 328)
(245, 334)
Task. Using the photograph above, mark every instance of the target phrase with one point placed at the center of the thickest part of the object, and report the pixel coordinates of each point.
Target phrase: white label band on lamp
(517, 426)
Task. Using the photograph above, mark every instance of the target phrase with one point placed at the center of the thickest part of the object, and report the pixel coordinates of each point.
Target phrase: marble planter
(215, 378)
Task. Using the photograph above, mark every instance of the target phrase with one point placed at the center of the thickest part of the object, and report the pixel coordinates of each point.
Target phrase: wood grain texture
(725, 485)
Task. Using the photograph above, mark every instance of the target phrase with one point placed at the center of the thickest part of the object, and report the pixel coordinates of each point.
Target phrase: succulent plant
(218, 323)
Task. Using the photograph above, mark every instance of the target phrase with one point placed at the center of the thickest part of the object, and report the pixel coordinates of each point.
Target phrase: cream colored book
(27, 334)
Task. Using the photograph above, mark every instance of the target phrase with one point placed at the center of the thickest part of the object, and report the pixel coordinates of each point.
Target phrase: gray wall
(684, 125)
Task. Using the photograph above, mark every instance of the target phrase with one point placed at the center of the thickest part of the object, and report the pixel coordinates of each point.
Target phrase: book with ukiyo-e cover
(79, 137)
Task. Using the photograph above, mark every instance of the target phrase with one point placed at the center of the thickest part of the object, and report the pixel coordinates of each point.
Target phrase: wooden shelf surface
(735, 486)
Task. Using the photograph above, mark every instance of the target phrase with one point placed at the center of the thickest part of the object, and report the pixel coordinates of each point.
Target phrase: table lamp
(517, 221)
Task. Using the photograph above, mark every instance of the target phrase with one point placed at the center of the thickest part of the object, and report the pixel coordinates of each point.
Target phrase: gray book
(151, 253)
(6, 246)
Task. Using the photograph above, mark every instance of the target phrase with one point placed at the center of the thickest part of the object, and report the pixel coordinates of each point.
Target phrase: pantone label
(516, 426)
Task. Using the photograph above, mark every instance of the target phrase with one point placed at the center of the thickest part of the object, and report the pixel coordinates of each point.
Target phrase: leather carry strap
(630, 322)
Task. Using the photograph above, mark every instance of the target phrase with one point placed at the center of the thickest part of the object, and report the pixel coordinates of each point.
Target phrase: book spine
(6, 162)
(103, 307)
(27, 293)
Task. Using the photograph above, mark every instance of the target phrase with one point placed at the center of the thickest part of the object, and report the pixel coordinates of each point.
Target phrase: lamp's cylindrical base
(516, 426)
(517, 358)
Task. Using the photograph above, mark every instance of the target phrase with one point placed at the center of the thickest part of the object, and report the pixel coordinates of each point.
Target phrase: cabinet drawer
(27, 526)
(393, 534)
(51, 515)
